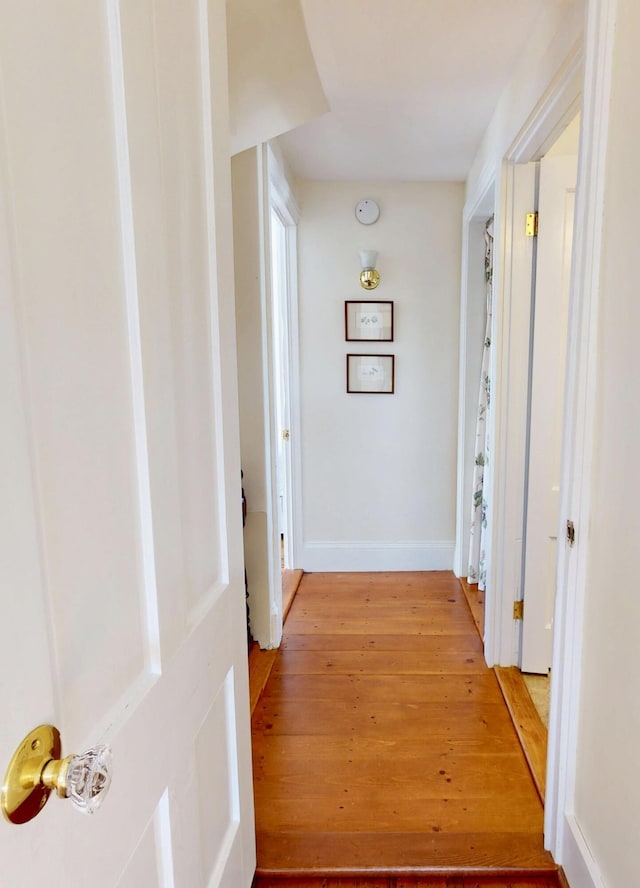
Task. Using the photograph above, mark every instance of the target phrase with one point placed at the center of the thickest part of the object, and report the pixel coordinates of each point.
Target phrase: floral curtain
(477, 572)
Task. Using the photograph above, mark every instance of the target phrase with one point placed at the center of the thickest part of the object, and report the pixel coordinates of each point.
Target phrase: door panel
(553, 270)
(121, 524)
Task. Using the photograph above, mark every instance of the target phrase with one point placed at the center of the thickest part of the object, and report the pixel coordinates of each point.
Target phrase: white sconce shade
(368, 259)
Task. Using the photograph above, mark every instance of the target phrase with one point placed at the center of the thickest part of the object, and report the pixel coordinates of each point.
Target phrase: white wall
(379, 471)
(607, 803)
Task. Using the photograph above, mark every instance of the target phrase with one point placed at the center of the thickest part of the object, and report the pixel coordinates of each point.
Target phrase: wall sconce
(369, 277)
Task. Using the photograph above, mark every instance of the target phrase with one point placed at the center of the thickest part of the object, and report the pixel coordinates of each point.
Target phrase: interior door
(553, 269)
(123, 607)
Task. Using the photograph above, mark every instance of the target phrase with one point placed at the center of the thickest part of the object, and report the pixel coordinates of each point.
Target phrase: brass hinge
(571, 533)
(531, 228)
(518, 610)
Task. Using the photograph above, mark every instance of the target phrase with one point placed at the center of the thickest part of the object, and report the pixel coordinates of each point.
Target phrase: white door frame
(562, 834)
(274, 190)
(509, 409)
(550, 323)
(284, 203)
(510, 355)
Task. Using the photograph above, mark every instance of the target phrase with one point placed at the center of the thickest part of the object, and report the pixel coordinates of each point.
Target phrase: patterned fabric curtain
(477, 569)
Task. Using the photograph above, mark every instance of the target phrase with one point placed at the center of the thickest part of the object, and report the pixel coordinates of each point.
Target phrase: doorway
(283, 215)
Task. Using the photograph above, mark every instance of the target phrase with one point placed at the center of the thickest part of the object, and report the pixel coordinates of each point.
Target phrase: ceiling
(411, 84)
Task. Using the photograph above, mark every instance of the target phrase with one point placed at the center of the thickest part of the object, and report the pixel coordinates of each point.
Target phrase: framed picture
(370, 374)
(368, 321)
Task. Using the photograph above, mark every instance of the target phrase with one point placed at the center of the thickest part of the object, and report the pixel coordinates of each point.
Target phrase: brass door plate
(23, 793)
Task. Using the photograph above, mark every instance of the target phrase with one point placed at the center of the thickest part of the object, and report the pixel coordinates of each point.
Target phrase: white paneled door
(122, 596)
(553, 272)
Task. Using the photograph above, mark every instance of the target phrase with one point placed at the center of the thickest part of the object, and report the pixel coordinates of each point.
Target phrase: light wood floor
(384, 754)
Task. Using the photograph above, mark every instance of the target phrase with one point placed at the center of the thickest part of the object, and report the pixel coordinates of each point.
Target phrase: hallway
(383, 751)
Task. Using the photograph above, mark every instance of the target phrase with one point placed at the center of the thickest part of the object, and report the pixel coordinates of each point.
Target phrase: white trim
(339, 555)
(476, 204)
(555, 110)
(295, 423)
(279, 180)
(274, 576)
(578, 863)
(578, 445)
(284, 203)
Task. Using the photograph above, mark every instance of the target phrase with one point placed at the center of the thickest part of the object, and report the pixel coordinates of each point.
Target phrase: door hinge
(532, 225)
(285, 435)
(518, 610)
(571, 533)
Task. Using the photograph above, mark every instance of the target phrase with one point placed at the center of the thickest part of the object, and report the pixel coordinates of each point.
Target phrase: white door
(123, 614)
(553, 269)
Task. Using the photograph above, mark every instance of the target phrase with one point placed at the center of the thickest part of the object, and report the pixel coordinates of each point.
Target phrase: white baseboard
(333, 556)
(577, 861)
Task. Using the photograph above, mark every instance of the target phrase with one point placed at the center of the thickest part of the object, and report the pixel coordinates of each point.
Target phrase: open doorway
(516, 195)
(537, 271)
(283, 216)
(474, 405)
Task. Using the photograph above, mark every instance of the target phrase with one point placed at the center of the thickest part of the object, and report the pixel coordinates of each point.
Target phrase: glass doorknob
(37, 769)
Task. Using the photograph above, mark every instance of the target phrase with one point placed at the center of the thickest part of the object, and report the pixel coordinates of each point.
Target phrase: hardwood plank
(354, 811)
(480, 881)
(374, 882)
(462, 642)
(531, 731)
(393, 580)
(483, 725)
(369, 625)
(550, 880)
(398, 603)
(506, 880)
(407, 771)
(336, 853)
(374, 662)
(392, 590)
(442, 688)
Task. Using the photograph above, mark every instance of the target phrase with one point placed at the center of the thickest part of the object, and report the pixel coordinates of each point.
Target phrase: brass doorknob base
(36, 769)
(24, 794)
